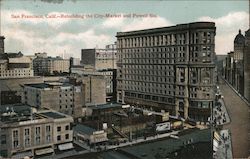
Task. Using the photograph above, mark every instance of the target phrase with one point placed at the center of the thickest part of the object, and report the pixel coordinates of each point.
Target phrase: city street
(239, 126)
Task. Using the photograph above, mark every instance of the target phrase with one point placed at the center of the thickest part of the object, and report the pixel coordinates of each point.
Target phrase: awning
(44, 151)
(22, 155)
(65, 146)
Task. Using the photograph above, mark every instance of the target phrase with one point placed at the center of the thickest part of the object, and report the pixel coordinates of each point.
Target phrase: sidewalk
(221, 114)
(227, 142)
(225, 147)
(242, 97)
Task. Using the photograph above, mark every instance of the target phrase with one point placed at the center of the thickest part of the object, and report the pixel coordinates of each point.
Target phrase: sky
(32, 26)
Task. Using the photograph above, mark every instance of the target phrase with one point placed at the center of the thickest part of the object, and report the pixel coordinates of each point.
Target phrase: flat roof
(47, 85)
(106, 106)
(84, 129)
(12, 113)
(53, 115)
(18, 108)
(168, 145)
(38, 85)
(185, 26)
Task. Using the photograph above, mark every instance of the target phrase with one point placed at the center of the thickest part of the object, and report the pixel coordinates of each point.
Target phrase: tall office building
(169, 68)
(238, 76)
(100, 58)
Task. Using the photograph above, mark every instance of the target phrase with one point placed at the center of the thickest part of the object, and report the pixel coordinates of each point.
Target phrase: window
(3, 139)
(37, 135)
(4, 153)
(26, 132)
(67, 127)
(67, 136)
(15, 138)
(59, 138)
(38, 129)
(59, 128)
(27, 141)
(47, 128)
(27, 137)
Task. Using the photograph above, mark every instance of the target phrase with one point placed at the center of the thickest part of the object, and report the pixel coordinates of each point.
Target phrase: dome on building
(239, 39)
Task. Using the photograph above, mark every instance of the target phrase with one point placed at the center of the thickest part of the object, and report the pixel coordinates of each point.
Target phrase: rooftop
(194, 25)
(47, 85)
(12, 113)
(84, 129)
(17, 108)
(164, 147)
(54, 115)
(106, 106)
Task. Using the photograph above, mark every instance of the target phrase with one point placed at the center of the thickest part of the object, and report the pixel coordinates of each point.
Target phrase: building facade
(229, 67)
(109, 76)
(24, 133)
(15, 65)
(100, 58)
(95, 89)
(236, 65)
(170, 68)
(239, 43)
(44, 65)
(62, 97)
(246, 66)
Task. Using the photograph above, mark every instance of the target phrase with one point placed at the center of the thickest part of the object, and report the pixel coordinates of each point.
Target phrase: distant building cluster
(100, 62)
(44, 66)
(169, 68)
(14, 65)
(236, 66)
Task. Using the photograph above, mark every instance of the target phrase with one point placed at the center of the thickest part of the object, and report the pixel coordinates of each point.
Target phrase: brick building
(62, 97)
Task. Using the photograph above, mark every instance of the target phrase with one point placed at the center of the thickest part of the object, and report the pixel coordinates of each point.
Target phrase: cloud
(31, 35)
(146, 23)
(56, 36)
(55, 1)
(227, 27)
(71, 43)
(20, 17)
(114, 22)
(129, 24)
